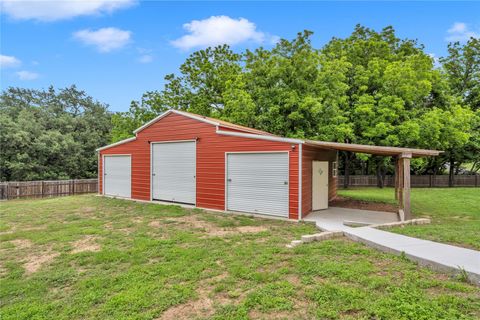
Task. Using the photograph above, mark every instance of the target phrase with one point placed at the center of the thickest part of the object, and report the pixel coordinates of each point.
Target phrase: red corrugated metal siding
(310, 154)
(211, 148)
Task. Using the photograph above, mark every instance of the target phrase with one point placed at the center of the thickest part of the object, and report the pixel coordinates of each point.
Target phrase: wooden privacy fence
(54, 188)
(41, 189)
(427, 181)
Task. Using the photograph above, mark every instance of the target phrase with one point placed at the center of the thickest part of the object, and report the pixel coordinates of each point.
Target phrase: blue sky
(117, 50)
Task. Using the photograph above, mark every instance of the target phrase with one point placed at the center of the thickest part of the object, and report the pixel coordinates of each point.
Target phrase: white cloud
(145, 55)
(146, 58)
(218, 30)
(51, 10)
(105, 39)
(460, 32)
(9, 61)
(27, 75)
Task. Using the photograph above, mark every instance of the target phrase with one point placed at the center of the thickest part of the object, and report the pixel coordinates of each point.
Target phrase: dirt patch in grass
(137, 220)
(36, 261)
(363, 205)
(202, 306)
(88, 243)
(155, 224)
(213, 230)
(88, 210)
(23, 229)
(251, 229)
(22, 243)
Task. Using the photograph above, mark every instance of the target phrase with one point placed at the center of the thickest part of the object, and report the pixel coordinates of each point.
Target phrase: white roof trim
(116, 143)
(188, 115)
(199, 118)
(258, 136)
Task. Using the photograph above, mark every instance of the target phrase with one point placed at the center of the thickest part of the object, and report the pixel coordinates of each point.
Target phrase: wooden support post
(397, 169)
(404, 184)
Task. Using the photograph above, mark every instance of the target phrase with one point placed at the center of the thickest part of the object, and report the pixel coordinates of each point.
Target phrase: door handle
(153, 174)
(285, 182)
(229, 180)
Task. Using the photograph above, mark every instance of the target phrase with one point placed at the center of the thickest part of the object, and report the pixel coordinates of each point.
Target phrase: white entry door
(117, 175)
(319, 185)
(258, 183)
(174, 171)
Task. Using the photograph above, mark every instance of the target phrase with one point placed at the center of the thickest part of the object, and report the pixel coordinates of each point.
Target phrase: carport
(402, 166)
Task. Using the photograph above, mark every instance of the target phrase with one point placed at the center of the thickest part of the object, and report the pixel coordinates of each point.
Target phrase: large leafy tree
(462, 69)
(391, 83)
(50, 134)
(369, 88)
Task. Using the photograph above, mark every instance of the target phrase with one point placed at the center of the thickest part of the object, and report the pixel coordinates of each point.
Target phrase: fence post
(73, 186)
(43, 188)
(476, 180)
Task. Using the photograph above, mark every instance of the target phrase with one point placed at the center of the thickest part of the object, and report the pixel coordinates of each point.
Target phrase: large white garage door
(117, 176)
(258, 183)
(173, 171)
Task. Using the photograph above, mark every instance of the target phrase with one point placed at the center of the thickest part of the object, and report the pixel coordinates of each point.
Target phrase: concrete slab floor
(335, 216)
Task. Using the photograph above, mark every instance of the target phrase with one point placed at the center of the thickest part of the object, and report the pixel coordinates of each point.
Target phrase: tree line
(51, 134)
(369, 88)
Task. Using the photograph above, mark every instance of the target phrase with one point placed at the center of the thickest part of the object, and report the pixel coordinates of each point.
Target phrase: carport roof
(377, 150)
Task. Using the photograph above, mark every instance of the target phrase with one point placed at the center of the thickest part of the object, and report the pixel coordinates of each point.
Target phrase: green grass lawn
(87, 257)
(455, 212)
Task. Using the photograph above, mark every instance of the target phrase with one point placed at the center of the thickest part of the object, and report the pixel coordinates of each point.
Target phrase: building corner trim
(300, 158)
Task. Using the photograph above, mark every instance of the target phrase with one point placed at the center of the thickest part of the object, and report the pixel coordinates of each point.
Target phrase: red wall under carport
(211, 148)
(310, 154)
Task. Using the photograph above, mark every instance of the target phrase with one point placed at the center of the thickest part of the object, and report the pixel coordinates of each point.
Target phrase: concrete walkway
(436, 255)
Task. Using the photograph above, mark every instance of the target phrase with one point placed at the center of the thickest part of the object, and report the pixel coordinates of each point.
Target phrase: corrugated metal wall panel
(258, 183)
(211, 149)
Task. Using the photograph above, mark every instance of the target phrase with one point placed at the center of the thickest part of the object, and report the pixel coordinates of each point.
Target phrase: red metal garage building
(187, 158)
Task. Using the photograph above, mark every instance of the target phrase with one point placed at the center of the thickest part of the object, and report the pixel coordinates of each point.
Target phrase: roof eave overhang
(116, 143)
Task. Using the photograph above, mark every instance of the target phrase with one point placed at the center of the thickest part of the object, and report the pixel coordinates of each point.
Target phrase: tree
(391, 82)
(449, 130)
(50, 134)
(368, 88)
(462, 69)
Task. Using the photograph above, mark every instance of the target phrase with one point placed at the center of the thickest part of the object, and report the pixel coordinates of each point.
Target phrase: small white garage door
(173, 171)
(117, 176)
(258, 183)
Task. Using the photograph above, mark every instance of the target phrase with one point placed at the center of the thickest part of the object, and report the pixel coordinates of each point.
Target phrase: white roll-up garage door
(117, 176)
(173, 171)
(258, 183)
